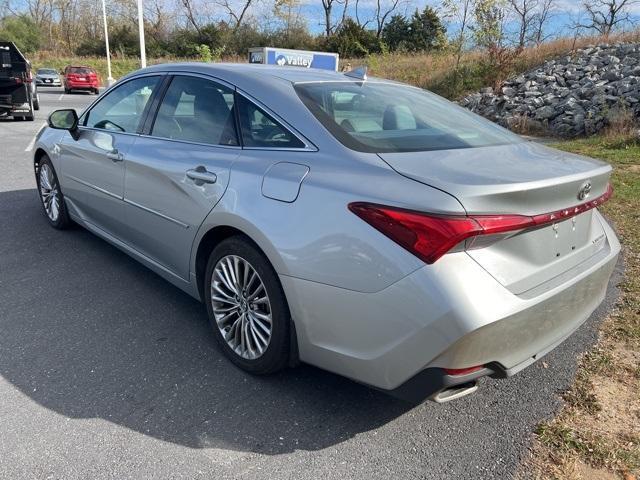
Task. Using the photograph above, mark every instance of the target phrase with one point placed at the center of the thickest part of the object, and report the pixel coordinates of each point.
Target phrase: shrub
(21, 30)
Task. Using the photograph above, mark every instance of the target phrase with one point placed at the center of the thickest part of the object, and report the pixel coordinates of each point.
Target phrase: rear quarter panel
(316, 237)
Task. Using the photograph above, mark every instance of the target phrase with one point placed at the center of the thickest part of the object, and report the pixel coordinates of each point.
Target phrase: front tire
(51, 196)
(247, 307)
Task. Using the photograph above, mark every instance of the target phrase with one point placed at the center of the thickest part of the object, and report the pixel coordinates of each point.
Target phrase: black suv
(18, 93)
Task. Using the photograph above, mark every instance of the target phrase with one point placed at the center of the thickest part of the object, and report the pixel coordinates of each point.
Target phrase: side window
(259, 129)
(121, 110)
(196, 110)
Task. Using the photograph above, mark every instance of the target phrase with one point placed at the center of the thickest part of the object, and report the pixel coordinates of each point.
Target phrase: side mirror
(66, 119)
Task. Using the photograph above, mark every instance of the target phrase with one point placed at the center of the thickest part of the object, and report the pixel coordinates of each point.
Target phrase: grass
(434, 71)
(599, 425)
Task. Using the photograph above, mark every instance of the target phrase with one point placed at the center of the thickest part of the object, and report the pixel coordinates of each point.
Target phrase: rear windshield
(81, 70)
(46, 71)
(384, 117)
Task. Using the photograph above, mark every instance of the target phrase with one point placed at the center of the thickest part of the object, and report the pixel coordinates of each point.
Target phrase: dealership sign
(294, 58)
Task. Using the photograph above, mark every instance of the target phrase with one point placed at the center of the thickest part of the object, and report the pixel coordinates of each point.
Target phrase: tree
(327, 7)
(461, 12)
(604, 16)
(353, 40)
(488, 31)
(237, 15)
(383, 10)
(524, 12)
(21, 30)
(396, 33)
(426, 30)
(489, 18)
(289, 12)
(540, 20)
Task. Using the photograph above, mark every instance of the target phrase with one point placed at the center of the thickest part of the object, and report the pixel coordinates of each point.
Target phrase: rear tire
(36, 102)
(51, 197)
(247, 307)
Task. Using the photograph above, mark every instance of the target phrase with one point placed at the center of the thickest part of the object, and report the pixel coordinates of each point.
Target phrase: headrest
(398, 117)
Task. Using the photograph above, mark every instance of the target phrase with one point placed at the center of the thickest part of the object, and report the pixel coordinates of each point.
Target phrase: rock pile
(570, 96)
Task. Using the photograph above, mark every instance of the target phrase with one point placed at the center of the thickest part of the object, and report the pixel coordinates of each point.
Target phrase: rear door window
(259, 129)
(198, 110)
(81, 70)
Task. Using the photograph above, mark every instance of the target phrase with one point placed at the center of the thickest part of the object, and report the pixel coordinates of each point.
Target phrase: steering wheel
(109, 125)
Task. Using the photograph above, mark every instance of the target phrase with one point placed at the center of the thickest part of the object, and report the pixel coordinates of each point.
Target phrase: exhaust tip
(455, 392)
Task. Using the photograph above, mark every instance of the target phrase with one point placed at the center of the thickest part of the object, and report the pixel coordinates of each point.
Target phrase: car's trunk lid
(519, 179)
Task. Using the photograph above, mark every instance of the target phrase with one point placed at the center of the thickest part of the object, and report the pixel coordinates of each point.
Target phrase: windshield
(81, 70)
(46, 71)
(384, 117)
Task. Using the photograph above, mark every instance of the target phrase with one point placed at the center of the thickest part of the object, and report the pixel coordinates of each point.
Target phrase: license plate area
(532, 257)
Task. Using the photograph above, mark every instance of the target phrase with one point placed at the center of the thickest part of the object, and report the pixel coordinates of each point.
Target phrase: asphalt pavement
(108, 371)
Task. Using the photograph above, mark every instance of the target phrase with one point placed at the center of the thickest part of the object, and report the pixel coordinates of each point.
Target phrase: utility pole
(106, 45)
(143, 54)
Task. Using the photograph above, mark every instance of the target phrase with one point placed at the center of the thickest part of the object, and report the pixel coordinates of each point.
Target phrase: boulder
(572, 95)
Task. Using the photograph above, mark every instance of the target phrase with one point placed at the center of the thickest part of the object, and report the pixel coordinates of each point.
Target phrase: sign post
(106, 45)
(143, 54)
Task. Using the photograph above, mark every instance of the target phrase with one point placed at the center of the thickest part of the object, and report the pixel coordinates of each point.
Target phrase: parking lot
(107, 371)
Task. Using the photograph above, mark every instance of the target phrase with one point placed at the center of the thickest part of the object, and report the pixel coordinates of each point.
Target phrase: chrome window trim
(102, 130)
(189, 142)
(283, 149)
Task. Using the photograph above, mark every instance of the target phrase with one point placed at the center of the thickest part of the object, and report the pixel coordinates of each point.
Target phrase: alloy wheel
(241, 307)
(49, 192)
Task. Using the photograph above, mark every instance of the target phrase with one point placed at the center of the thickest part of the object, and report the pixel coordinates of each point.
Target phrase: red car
(80, 78)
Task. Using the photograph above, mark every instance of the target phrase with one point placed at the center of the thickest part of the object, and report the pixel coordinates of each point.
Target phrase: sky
(566, 13)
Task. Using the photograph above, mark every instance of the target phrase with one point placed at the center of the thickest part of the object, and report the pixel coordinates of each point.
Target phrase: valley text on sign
(296, 58)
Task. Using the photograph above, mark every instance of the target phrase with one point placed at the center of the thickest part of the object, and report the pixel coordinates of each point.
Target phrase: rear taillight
(430, 236)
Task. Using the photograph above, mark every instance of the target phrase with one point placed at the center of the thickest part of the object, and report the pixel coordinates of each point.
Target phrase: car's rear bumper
(451, 314)
(81, 86)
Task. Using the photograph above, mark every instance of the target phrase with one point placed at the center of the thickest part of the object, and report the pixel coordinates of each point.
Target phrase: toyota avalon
(364, 226)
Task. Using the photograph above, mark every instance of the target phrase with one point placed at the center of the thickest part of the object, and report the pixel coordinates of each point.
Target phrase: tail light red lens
(430, 236)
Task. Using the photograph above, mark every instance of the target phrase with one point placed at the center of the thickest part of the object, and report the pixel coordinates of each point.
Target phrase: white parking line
(61, 96)
(33, 140)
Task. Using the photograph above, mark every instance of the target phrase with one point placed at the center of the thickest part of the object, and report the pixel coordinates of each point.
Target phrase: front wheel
(247, 307)
(51, 196)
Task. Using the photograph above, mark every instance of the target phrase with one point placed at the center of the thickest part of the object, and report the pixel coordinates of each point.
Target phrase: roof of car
(291, 74)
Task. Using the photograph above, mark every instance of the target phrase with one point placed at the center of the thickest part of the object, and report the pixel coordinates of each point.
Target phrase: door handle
(200, 175)
(115, 155)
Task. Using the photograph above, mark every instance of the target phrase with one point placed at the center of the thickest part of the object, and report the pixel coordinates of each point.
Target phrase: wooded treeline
(209, 29)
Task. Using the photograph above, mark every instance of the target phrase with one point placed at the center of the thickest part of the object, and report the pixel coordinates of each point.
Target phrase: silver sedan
(48, 77)
(364, 226)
